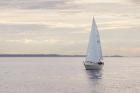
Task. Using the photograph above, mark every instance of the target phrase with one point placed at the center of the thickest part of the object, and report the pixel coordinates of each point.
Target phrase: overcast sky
(63, 26)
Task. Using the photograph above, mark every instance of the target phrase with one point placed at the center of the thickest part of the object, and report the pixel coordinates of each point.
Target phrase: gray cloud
(4, 28)
(21, 27)
(37, 31)
(135, 1)
(35, 4)
(68, 5)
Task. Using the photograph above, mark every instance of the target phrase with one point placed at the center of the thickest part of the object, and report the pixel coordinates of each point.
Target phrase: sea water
(68, 75)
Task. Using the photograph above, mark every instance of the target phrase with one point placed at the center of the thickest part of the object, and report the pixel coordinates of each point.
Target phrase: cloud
(135, 1)
(34, 4)
(21, 27)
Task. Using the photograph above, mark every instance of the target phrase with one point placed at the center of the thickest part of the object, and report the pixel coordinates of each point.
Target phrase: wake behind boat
(94, 53)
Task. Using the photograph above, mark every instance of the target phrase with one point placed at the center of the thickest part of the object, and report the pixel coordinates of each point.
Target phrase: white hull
(93, 66)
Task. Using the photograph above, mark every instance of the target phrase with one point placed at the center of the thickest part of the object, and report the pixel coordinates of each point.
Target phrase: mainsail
(94, 52)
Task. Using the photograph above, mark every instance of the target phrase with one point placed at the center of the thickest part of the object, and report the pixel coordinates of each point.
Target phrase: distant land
(48, 55)
(39, 55)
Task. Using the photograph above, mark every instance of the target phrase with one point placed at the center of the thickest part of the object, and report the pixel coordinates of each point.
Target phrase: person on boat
(100, 63)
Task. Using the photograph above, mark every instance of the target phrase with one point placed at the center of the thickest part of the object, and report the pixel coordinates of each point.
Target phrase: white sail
(94, 52)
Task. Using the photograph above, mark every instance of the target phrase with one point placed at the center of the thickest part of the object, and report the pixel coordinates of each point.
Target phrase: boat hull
(93, 66)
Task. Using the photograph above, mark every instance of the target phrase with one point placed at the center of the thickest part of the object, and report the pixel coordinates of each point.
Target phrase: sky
(63, 26)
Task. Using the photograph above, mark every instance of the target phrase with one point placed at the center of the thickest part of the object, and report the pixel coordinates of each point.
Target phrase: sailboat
(94, 56)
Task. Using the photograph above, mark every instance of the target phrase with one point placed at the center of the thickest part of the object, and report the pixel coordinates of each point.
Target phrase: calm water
(67, 75)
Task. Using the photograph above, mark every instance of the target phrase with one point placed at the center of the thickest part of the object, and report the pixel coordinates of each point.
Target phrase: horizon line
(56, 55)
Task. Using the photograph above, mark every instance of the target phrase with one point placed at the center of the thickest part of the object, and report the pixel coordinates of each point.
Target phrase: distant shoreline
(39, 55)
(48, 55)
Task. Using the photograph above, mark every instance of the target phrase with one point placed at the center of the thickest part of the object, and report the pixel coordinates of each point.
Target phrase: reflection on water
(94, 74)
(95, 80)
